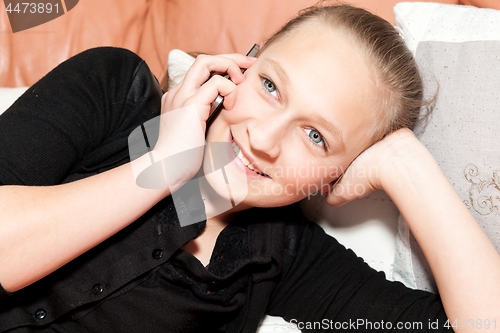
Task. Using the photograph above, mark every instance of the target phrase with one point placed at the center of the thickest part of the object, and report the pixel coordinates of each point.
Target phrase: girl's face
(304, 112)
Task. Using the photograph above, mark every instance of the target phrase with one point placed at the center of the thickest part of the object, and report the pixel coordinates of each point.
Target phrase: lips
(245, 160)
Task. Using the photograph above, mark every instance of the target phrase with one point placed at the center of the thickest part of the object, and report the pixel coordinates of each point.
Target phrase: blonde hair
(395, 69)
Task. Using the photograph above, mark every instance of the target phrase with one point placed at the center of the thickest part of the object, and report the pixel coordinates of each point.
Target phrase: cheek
(240, 111)
(305, 175)
(246, 105)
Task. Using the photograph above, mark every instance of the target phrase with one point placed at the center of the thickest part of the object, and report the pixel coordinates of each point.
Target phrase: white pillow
(8, 96)
(178, 64)
(457, 46)
(428, 21)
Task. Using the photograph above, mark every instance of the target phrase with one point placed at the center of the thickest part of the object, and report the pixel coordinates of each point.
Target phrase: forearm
(465, 264)
(44, 228)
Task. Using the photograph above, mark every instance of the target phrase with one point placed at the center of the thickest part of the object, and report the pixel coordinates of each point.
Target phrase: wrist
(415, 183)
(404, 161)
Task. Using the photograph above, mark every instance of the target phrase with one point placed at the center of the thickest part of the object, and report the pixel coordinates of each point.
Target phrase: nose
(266, 135)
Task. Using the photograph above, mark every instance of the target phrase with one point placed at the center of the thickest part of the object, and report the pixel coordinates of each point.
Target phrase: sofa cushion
(28, 55)
(481, 3)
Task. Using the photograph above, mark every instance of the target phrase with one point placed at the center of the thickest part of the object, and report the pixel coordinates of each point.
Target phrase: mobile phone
(217, 104)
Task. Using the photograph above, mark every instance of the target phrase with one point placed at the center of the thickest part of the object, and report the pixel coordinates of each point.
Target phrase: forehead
(329, 74)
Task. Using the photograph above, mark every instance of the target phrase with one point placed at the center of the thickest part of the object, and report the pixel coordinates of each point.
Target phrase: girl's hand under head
(185, 110)
(437, 217)
(374, 167)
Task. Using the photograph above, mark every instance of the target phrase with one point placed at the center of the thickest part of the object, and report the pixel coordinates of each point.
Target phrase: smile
(245, 160)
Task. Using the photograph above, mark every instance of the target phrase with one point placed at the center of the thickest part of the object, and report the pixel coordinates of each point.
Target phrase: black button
(40, 314)
(97, 289)
(157, 254)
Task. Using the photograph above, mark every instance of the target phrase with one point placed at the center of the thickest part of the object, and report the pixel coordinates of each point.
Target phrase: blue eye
(315, 137)
(270, 87)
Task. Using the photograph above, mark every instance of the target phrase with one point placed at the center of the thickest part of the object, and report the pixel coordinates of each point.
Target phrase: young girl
(85, 249)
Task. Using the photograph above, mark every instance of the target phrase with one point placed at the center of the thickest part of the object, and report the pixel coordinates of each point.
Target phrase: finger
(352, 185)
(205, 66)
(207, 93)
(167, 101)
(243, 62)
(341, 194)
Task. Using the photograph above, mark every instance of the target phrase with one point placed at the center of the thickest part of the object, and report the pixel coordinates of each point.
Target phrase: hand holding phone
(173, 158)
(218, 103)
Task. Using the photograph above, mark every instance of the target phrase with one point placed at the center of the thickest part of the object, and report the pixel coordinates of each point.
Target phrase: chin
(263, 200)
(224, 187)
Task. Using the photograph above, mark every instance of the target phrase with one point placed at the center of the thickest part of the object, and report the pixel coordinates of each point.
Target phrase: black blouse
(268, 261)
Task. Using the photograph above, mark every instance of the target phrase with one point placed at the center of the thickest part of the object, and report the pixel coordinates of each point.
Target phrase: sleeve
(3, 293)
(327, 287)
(76, 117)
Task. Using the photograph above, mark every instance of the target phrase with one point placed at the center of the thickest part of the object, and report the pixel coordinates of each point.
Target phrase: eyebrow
(334, 130)
(331, 128)
(278, 69)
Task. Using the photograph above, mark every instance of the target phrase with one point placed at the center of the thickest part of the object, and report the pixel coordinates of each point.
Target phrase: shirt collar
(257, 236)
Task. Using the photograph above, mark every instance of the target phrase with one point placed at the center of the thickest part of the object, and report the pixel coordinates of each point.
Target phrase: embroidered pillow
(459, 56)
